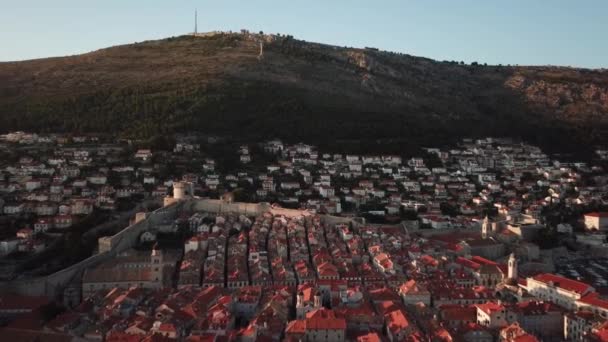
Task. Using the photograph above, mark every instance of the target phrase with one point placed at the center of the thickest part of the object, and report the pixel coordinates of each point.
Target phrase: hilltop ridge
(299, 90)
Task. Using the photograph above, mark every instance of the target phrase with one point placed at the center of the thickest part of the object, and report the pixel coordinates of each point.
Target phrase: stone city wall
(53, 284)
(222, 207)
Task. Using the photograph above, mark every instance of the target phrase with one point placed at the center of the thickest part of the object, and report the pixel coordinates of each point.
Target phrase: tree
(547, 238)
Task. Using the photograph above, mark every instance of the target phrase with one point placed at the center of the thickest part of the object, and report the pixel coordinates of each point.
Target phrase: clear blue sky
(539, 32)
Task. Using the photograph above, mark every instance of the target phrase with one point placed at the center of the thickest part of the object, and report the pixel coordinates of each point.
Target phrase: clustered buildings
(456, 259)
(304, 277)
(52, 185)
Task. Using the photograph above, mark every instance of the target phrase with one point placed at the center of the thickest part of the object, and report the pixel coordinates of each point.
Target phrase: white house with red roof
(320, 325)
(494, 315)
(515, 333)
(398, 325)
(559, 290)
(596, 221)
(383, 262)
(413, 292)
(594, 302)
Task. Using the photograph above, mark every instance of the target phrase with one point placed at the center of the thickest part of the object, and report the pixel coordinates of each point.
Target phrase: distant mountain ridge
(300, 91)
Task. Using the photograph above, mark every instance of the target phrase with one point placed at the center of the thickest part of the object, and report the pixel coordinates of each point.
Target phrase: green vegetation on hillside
(356, 99)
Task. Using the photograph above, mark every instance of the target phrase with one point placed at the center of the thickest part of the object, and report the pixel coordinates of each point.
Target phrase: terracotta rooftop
(525, 338)
(396, 320)
(458, 313)
(597, 214)
(536, 308)
(369, 337)
(324, 319)
(594, 299)
(490, 307)
(564, 283)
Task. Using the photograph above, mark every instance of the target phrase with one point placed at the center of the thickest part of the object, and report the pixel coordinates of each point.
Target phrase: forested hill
(299, 91)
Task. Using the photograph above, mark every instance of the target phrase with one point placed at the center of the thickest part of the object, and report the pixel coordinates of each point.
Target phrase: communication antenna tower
(195, 21)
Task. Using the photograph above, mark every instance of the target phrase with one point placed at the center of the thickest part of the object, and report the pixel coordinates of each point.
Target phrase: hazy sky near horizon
(524, 32)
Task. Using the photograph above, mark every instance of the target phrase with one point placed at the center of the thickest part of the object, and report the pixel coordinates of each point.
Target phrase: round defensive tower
(180, 190)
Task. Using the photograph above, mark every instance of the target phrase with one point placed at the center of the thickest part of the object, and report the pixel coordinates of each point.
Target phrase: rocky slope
(300, 91)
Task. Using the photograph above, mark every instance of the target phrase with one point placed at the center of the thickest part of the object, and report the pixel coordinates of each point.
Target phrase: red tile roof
(594, 299)
(467, 263)
(564, 283)
(201, 338)
(525, 338)
(536, 308)
(601, 334)
(396, 321)
(411, 287)
(324, 319)
(296, 327)
(370, 337)
(458, 313)
(597, 214)
(116, 336)
(490, 307)
(482, 261)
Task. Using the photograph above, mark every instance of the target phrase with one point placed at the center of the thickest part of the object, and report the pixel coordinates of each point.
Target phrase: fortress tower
(182, 190)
